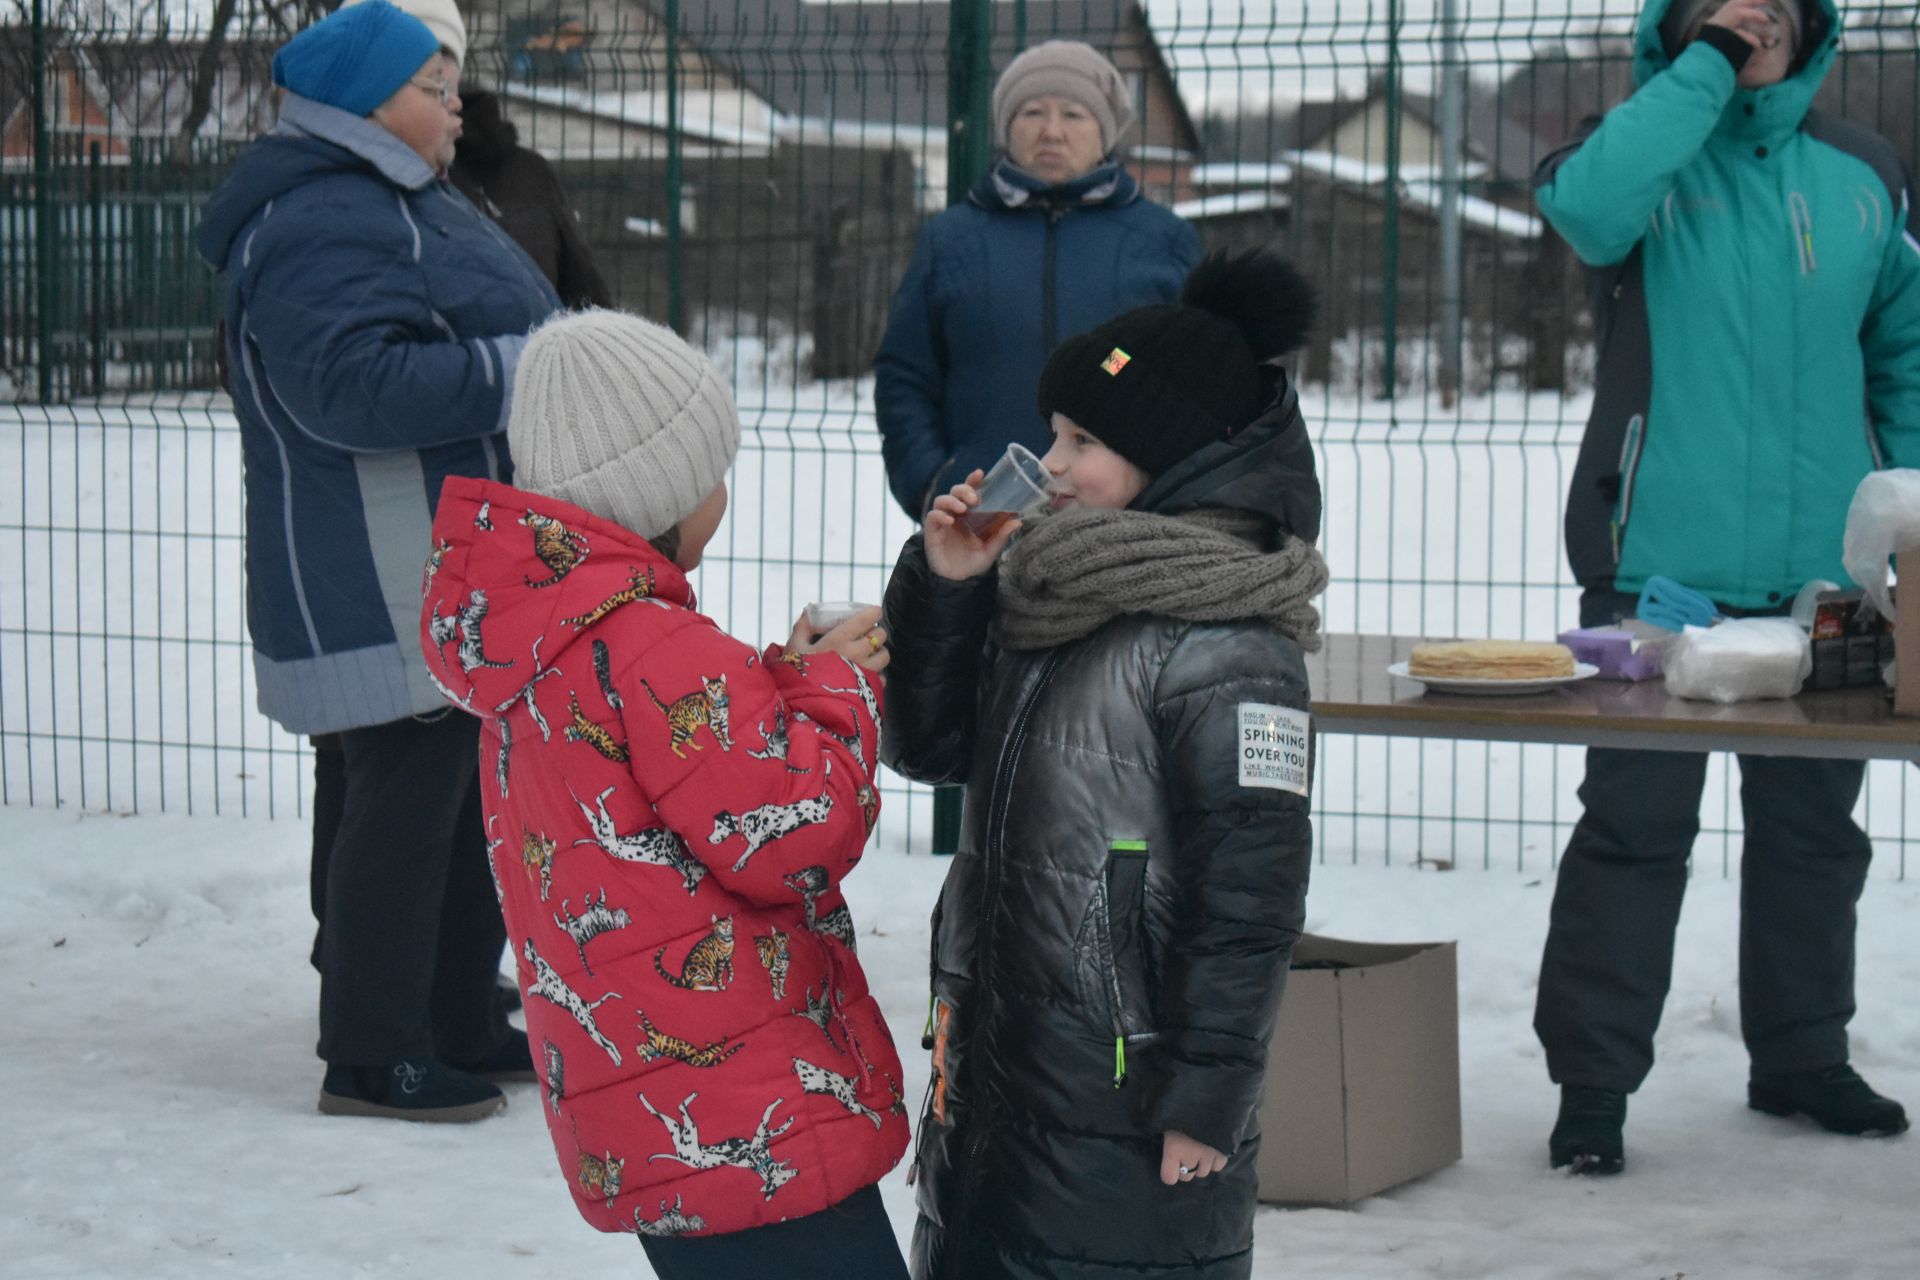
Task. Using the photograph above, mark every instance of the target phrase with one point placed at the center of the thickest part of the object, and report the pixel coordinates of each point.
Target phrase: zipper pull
(926, 1035)
(1119, 1061)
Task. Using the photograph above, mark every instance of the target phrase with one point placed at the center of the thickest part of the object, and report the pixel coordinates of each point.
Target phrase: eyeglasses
(439, 88)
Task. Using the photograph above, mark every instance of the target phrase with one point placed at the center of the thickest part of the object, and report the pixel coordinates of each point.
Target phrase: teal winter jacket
(1755, 281)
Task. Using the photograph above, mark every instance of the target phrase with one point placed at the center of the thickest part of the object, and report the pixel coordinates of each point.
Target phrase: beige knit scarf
(1069, 573)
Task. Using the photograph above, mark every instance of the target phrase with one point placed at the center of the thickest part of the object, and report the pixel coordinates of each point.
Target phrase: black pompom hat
(1162, 382)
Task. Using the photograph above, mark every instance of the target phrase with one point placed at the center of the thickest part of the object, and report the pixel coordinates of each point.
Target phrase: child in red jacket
(670, 815)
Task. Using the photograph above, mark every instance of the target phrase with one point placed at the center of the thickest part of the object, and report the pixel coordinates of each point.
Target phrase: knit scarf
(1067, 574)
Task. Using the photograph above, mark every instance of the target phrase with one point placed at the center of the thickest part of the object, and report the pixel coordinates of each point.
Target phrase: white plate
(1495, 688)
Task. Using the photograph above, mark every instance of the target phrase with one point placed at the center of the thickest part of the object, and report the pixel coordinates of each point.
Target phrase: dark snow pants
(851, 1240)
(1616, 902)
(410, 928)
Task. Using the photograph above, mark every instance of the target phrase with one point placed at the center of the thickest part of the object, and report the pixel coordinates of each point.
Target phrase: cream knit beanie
(620, 416)
(1069, 69)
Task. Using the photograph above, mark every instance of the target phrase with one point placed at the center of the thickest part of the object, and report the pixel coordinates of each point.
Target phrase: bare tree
(206, 71)
(281, 18)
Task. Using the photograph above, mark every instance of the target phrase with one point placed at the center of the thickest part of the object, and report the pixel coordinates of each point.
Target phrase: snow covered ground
(157, 1091)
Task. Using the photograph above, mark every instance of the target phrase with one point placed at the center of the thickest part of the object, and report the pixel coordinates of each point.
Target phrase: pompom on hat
(620, 416)
(442, 18)
(355, 59)
(1162, 382)
(1065, 69)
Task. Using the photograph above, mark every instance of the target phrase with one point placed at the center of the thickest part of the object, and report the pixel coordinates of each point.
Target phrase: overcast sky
(1244, 51)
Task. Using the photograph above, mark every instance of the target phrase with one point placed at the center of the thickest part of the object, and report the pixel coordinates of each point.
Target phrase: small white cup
(824, 615)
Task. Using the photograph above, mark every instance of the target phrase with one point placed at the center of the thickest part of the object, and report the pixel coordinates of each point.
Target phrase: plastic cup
(823, 616)
(1018, 485)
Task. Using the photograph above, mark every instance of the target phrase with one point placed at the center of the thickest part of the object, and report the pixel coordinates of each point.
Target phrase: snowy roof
(1476, 212)
(1241, 173)
(1491, 136)
(1233, 202)
(1348, 169)
(736, 119)
(1420, 186)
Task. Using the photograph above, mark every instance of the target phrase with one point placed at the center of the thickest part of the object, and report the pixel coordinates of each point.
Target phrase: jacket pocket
(1631, 448)
(1119, 949)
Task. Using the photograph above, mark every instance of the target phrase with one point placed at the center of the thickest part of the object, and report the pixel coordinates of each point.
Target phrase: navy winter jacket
(374, 319)
(995, 284)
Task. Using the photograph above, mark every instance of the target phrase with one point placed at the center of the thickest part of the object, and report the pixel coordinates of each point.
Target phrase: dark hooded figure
(517, 188)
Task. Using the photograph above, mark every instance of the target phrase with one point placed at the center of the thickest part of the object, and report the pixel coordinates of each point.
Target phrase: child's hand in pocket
(1182, 1159)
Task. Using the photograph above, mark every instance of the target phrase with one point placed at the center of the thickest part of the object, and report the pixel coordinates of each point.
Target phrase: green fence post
(1390, 253)
(969, 94)
(96, 271)
(45, 245)
(969, 147)
(676, 244)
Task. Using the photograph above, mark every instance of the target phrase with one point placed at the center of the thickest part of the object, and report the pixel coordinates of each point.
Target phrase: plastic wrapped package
(1739, 660)
(1883, 518)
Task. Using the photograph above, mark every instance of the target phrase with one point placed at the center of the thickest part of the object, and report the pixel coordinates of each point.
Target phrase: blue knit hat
(356, 58)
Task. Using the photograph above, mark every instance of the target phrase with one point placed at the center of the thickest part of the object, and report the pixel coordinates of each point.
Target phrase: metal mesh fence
(754, 172)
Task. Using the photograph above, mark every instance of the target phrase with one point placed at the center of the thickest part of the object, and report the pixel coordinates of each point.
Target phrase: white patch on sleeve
(1273, 747)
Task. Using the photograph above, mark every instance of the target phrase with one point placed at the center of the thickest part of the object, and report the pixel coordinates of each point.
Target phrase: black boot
(430, 1091)
(1835, 1097)
(511, 1061)
(1587, 1136)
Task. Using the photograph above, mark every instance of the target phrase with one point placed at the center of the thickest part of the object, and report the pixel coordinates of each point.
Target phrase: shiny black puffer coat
(1112, 939)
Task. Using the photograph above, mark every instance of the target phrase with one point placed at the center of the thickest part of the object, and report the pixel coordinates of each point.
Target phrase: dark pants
(850, 1241)
(409, 927)
(1609, 954)
(329, 800)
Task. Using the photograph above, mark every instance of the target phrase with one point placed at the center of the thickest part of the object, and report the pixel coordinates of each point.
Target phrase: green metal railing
(754, 173)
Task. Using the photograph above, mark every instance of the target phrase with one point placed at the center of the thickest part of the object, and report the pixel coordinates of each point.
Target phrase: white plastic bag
(1739, 660)
(1883, 518)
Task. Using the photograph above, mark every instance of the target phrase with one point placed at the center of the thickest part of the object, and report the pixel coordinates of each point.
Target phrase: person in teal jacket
(1755, 280)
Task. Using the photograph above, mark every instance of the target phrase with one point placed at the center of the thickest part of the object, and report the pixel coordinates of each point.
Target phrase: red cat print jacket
(669, 816)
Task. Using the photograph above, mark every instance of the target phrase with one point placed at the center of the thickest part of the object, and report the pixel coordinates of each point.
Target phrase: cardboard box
(1363, 1080)
(1906, 635)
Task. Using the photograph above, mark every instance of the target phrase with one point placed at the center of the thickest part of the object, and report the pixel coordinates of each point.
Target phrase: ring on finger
(873, 642)
(1186, 1171)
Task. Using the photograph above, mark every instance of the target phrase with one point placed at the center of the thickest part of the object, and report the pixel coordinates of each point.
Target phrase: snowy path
(159, 1092)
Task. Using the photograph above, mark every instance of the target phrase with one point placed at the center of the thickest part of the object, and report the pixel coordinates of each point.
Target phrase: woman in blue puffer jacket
(374, 319)
(1054, 240)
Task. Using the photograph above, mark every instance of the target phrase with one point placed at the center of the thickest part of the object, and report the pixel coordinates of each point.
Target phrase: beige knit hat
(1066, 69)
(620, 416)
(442, 18)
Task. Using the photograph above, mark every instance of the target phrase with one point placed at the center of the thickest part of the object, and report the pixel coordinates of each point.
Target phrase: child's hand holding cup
(970, 525)
(845, 627)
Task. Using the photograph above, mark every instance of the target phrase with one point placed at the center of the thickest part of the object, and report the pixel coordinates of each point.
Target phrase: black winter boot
(1835, 1097)
(512, 1061)
(430, 1091)
(1587, 1137)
